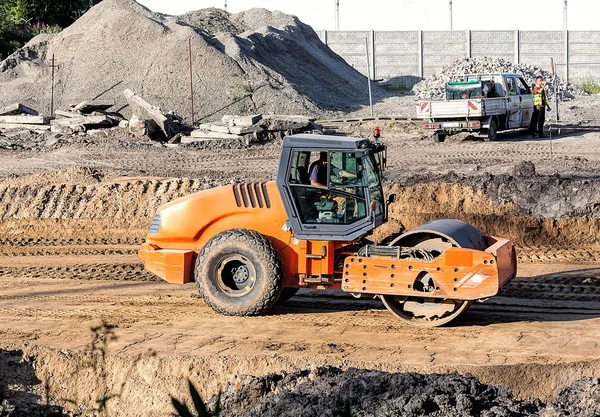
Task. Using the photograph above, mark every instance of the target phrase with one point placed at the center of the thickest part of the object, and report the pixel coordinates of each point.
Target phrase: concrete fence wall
(405, 57)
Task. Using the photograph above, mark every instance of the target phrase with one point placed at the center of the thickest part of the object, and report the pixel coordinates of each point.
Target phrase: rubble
(145, 111)
(263, 127)
(433, 87)
(32, 120)
(91, 106)
(17, 109)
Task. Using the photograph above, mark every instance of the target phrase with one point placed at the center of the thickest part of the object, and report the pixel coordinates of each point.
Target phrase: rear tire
(492, 132)
(239, 273)
(439, 137)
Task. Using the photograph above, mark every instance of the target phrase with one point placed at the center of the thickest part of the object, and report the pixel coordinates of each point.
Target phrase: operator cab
(347, 201)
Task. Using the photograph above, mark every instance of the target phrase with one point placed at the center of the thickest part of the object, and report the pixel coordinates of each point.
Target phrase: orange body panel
(459, 273)
(172, 265)
(189, 222)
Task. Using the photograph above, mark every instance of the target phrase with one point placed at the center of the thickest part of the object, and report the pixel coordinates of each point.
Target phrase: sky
(414, 14)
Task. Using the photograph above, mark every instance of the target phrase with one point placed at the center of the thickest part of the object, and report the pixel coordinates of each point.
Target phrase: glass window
(320, 205)
(340, 197)
(523, 89)
(374, 184)
(512, 87)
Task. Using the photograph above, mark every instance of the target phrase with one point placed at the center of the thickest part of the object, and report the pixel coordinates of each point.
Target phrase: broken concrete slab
(84, 121)
(212, 135)
(233, 120)
(214, 127)
(144, 110)
(33, 120)
(244, 130)
(17, 108)
(67, 113)
(93, 105)
(7, 126)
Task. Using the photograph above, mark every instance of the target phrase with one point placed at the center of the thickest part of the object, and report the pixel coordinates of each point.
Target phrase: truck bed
(468, 108)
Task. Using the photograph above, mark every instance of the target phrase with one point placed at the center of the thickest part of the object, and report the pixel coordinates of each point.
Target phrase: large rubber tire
(239, 273)
(492, 132)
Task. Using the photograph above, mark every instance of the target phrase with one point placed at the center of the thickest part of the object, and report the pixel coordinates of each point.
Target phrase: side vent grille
(155, 225)
(251, 194)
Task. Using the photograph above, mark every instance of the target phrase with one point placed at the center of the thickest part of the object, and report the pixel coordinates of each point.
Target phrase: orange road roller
(251, 245)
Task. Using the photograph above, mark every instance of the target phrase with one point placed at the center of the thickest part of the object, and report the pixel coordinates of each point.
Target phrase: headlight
(155, 225)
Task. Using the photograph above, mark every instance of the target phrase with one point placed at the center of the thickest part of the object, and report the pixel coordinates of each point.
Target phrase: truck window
(523, 88)
(512, 87)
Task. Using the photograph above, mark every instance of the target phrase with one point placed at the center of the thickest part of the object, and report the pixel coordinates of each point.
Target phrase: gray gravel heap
(433, 87)
(251, 62)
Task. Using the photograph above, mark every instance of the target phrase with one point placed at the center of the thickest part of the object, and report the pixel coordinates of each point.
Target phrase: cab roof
(324, 142)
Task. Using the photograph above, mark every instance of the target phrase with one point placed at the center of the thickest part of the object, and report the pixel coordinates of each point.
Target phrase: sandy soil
(74, 214)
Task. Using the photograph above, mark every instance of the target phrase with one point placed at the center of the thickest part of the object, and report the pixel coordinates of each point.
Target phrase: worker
(540, 103)
(318, 172)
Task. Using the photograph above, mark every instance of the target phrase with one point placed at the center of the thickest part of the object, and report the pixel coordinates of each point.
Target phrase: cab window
(328, 187)
(523, 88)
(512, 87)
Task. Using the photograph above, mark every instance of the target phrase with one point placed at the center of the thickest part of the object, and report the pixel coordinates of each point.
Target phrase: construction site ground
(73, 215)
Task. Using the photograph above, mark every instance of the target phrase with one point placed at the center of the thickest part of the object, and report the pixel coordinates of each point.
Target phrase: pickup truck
(480, 103)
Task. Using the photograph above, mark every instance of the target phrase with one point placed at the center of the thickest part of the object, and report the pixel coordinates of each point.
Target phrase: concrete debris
(91, 106)
(66, 113)
(145, 111)
(33, 120)
(17, 109)
(264, 127)
(232, 120)
(84, 121)
(28, 126)
(433, 87)
(140, 127)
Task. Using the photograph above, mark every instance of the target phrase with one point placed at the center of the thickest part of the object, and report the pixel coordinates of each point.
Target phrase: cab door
(515, 115)
(526, 102)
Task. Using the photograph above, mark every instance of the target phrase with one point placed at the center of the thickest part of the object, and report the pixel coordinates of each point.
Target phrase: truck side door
(526, 102)
(515, 115)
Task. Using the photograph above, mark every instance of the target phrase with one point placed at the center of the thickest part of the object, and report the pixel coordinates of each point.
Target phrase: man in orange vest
(540, 103)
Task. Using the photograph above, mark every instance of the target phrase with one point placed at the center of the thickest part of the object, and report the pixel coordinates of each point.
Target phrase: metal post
(337, 14)
(565, 16)
(52, 90)
(517, 47)
(420, 56)
(449, 14)
(369, 75)
(469, 52)
(191, 78)
(552, 67)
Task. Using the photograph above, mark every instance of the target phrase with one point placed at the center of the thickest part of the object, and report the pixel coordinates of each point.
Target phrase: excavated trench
(46, 382)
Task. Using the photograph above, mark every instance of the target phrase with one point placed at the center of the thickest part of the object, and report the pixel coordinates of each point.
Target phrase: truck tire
(239, 273)
(492, 132)
(439, 137)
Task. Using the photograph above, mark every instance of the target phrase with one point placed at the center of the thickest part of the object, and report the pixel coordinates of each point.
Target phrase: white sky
(413, 14)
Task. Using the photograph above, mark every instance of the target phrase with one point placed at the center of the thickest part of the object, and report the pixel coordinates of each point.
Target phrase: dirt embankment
(81, 205)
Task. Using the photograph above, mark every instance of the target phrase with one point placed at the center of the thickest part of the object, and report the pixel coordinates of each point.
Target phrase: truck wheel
(238, 273)
(286, 294)
(439, 137)
(492, 132)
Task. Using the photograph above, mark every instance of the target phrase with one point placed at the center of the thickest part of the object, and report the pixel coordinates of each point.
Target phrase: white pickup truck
(481, 103)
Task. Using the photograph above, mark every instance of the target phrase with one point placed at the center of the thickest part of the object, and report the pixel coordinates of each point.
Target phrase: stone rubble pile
(433, 87)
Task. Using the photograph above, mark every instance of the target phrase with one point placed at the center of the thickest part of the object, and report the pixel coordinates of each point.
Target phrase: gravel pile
(325, 391)
(433, 87)
(255, 61)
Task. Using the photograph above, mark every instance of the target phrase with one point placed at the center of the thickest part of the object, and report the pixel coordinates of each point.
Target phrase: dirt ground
(74, 212)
